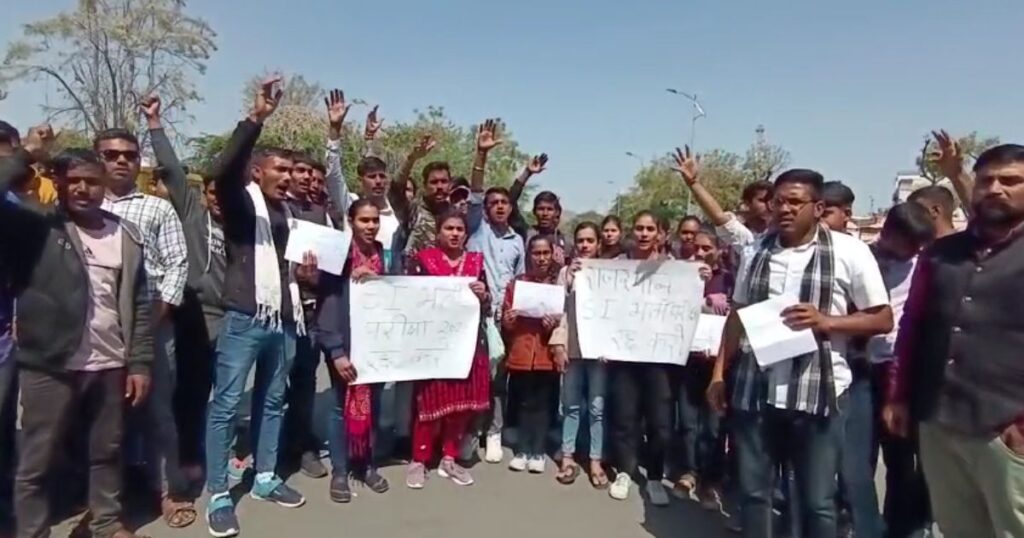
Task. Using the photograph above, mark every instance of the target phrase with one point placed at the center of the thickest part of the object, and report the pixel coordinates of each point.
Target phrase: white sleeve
(734, 233)
(867, 288)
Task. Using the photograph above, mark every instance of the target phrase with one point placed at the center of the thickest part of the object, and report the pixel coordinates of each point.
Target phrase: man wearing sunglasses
(166, 264)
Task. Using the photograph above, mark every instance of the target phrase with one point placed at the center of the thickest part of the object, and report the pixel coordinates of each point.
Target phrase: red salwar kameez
(445, 407)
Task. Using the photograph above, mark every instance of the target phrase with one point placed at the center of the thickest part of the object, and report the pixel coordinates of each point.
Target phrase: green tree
(971, 144)
(660, 189)
(105, 55)
(763, 160)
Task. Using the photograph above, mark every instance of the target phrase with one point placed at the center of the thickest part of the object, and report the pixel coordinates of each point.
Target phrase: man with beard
(504, 259)
(958, 370)
(419, 217)
(166, 254)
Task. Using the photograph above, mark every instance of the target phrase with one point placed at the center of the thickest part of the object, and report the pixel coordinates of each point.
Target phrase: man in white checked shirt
(166, 265)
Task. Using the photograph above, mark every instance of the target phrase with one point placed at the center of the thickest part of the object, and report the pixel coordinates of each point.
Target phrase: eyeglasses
(113, 155)
(795, 205)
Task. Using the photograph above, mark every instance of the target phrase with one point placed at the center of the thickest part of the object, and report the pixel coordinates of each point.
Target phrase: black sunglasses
(112, 155)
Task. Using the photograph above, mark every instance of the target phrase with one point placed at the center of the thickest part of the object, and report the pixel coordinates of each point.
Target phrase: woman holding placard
(585, 381)
(446, 407)
(641, 393)
(356, 407)
(533, 374)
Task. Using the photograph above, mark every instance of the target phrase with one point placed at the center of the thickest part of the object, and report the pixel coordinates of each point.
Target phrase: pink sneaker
(454, 471)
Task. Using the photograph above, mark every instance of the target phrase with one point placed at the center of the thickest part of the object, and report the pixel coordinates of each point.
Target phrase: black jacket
(231, 178)
(43, 252)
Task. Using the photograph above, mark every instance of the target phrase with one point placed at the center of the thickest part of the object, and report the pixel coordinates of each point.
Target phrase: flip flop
(567, 479)
(178, 515)
(599, 480)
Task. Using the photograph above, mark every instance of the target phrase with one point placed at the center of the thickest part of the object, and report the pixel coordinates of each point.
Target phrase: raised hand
(39, 140)
(267, 98)
(487, 136)
(687, 165)
(337, 109)
(949, 156)
(423, 147)
(150, 108)
(373, 124)
(537, 164)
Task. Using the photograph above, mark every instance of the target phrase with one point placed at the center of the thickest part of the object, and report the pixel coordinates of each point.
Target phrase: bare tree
(297, 92)
(105, 55)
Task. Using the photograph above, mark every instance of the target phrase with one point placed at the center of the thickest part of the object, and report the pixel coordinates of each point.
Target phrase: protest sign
(328, 244)
(638, 311)
(533, 300)
(413, 327)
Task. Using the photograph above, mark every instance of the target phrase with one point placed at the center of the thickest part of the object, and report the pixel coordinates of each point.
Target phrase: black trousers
(195, 350)
(50, 405)
(8, 427)
(533, 392)
(640, 393)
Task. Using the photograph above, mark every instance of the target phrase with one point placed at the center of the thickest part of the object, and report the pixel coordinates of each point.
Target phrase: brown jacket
(526, 339)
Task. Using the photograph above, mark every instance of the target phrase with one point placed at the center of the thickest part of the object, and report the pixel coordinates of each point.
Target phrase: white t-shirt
(897, 276)
(857, 278)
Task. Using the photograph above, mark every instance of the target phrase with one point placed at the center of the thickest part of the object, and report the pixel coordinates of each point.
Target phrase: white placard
(770, 338)
(638, 311)
(329, 245)
(708, 336)
(413, 327)
(533, 300)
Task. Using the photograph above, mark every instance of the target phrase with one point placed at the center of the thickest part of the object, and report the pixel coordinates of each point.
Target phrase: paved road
(501, 504)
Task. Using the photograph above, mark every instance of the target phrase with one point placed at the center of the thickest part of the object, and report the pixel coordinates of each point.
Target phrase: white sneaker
(493, 453)
(619, 489)
(518, 463)
(536, 464)
(656, 493)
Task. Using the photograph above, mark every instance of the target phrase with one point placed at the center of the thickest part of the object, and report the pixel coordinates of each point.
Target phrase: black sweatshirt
(231, 177)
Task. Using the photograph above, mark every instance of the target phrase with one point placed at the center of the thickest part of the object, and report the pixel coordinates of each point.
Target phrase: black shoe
(340, 491)
(311, 466)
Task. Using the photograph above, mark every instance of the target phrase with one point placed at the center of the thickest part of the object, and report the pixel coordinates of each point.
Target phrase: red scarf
(358, 398)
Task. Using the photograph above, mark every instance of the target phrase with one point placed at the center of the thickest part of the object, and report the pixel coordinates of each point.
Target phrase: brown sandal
(599, 480)
(178, 515)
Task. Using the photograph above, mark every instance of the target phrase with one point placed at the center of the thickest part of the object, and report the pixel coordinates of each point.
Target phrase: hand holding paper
(533, 300)
(330, 246)
(771, 339)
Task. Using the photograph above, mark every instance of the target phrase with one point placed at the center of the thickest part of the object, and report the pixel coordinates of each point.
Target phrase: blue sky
(848, 88)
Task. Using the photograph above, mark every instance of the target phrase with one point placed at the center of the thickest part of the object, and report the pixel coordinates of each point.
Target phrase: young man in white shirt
(793, 410)
(907, 230)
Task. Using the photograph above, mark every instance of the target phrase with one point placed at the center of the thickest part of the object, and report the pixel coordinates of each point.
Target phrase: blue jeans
(337, 432)
(811, 446)
(244, 342)
(585, 382)
(703, 451)
(856, 463)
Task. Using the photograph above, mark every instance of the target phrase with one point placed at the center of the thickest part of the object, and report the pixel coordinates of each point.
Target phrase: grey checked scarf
(811, 384)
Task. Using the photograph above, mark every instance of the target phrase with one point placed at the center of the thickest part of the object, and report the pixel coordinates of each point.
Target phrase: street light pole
(698, 113)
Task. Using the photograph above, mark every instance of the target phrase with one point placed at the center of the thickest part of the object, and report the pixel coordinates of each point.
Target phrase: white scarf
(265, 266)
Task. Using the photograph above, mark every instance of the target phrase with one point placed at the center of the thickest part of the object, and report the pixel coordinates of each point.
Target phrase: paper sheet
(770, 338)
(708, 337)
(533, 300)
(329, 245)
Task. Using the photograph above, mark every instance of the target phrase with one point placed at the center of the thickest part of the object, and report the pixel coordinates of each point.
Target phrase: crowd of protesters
(130, 324)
